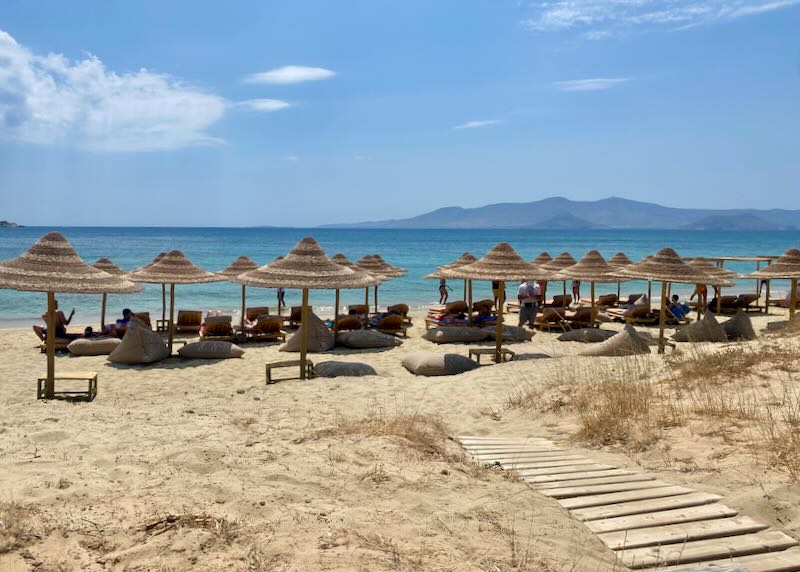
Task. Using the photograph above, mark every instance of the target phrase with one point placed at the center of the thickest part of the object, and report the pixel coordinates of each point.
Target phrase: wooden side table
(505, 354)
(87, 394)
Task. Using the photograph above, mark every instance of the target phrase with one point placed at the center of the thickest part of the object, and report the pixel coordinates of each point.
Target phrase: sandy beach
(190, 464)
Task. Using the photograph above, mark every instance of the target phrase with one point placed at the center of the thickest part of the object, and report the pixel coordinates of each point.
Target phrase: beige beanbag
(343, 369)
(364, 339)
(448, 335)
(93, 346)
(140, 345)
(586, 335)
(320, 338)
(510, 333)
(211, 350)
(705, 330)
(628, 342)
(435, 363)
(739, 327)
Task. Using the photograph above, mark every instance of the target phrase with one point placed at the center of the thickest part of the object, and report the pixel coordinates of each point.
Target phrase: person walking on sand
(529, 294)
(443, 291)
(576, 291)
(701, 291)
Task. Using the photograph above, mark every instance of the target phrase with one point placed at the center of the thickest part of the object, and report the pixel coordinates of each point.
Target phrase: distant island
(8, 224)
(610, 213)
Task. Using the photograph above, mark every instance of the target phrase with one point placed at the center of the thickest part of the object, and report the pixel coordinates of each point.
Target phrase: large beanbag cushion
(510, 333)
(210, 350)
(343, 369)
(320, 338)
(739, 327)
(93, 346)
(628, 342)
(586, 335)
(705, 330)
(364, 339)
(434, 363)
(445, 335)
(140, 345)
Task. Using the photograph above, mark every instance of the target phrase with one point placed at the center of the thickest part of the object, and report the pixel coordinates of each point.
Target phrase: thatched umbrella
(174, 268)
(51, 265)
(591, 268)
(106, 265)
(158, 257)
(501, 263)
(305, 267)
(375, 265)
(667, 267)
(718, 276)
(342, 260)
(558, 263)
(786, 266)
(240, 266)
(463, 260)
(541, 260)
(619, 260)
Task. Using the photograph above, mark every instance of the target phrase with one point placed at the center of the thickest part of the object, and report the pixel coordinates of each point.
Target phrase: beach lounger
(346, 323)
(583, 317)
(727, 304)
(634, 315)
(746, 301)
(487, 303)
(217, 328)
(559, 301)
(551, 318)
(392, 325)
(144, 317)
(456, 307)
(61, 343)
(296, 316)
(267, 329)
(630, 301)
(188, 322)
(256, 312)
(358, 310)
(402, 310)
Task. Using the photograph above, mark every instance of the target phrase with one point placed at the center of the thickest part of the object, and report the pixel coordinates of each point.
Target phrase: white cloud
(290, 74)
(594, 84)
(50, 100)
(268, 105)
(480, 123)
(603, 18)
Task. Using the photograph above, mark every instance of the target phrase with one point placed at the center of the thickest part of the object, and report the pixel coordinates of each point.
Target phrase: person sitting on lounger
(61, 323)
(121, 324)
(484, 316)
(678, 310)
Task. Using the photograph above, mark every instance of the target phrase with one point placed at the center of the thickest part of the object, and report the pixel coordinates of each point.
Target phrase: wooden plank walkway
(648, 523)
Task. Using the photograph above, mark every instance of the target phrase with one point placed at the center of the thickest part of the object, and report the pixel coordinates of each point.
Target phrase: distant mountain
(8, 224)
(613, 212)
(734, 222)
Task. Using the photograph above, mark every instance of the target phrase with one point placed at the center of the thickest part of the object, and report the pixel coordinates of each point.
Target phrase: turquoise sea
(420, 251)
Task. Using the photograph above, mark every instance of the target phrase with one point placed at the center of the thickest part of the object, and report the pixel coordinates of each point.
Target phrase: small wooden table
(288, 363)
(87, 395)
(505, 354)
(162, 325)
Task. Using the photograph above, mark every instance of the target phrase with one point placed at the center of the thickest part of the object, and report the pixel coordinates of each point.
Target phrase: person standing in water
(281, 299)
(443, 291)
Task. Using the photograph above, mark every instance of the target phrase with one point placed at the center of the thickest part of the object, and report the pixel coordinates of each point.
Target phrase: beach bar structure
(787, 266)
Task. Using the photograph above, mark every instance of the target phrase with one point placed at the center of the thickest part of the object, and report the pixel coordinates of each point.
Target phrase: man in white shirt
(529, 295)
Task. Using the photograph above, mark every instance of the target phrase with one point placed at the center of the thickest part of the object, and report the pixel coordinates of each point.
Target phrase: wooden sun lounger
(583, 317)
(393, 325)
(552, 318)
(635, 315)
(559, 301)
(188, 321)
(604, 301)
(267, 329)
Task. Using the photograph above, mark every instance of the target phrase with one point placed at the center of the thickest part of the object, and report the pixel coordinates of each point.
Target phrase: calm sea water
(420, 251)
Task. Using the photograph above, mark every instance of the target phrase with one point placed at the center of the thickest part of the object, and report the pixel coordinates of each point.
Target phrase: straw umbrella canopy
(174, 268)
(786, 266)
(542, 259)
(106, 265)
(501, 263)
(306, 267)
(667, 267)
(463, 260)
(342, 260)
(374, 264)
(158, 257)
(717, 276)
(51, 265)
(239, 266)
(560, 262)
(591, 268)
(619, 260)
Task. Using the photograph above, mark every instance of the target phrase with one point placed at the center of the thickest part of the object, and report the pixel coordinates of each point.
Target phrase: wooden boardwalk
(648, 523)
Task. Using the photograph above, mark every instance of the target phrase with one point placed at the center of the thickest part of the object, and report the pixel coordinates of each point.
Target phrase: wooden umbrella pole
(766, 300)
(469, 308)
(501, 301)
(565, 288)
(50, 384)
(304, 339)
(163, 302)
(103, 313)
(171, 315)
(649, 289)
(376, 298)
(619, 290)
(366, 298)
(465, 289)
(793, 299)
(662, 316)
(336, 315)
(244, 295)
(591, 313)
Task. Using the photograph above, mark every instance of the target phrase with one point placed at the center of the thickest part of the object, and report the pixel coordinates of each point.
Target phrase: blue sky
(303, 113)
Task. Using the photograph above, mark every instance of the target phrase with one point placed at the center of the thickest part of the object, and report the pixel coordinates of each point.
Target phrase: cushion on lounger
(363, 339)
(705, 330)
(586, 335)
(267, 325)
(210, 350)
(343, 369)
(399, 309)
(459, 335)
(510, 333)
(218, 327)
(93, 346)
(391, 322)
(320, 338)
(435, 363)
(739, 327)
(140, 345)
(457, 307)
(349, 323)
(628, 342)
